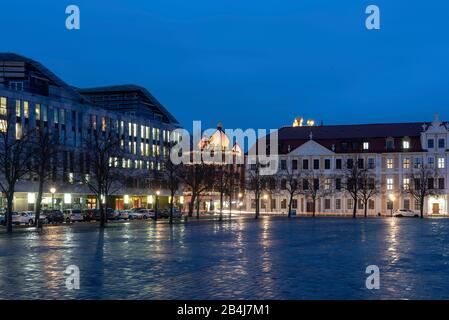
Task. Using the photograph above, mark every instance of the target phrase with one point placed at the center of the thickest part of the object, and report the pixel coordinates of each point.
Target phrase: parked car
(95, 215)
(73, 215)
(2, 219)
(113, 214)
(405, 213)
(123, 215)
(135, 215)
(163, 213)
(146, 213)
(24, 217)
(53, 216)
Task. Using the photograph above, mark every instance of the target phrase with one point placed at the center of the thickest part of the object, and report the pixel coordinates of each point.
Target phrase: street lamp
(156, 203)
(392, 199)
(52, 191)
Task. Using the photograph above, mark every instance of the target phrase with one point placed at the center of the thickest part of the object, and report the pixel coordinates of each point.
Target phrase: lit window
(390, 163)
(406, 183)
(25, 109)
(390, 184)
(327, 184)
(103, 124)
(37, 111)
(3, 105)
(18, 108)
(406, 163)
(365, 145)
(406, 144)
(441, 163)
(18, 130)
(3, 125)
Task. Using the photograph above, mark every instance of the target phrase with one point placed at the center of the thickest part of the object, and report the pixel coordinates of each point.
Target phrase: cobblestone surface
(273, 258)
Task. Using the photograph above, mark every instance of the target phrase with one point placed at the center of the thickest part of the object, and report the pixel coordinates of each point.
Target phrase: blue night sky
(249, 63)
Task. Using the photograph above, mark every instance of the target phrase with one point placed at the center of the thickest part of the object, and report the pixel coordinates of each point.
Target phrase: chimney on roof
(219, 126)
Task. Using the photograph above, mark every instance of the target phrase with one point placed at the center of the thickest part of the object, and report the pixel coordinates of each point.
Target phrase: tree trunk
(221, 205)
(421, 209)
(171, 206)
(290, 206)
(9, 200)
(230, 205)
(366, 209)
(102, 214)
(257, 206)
(314, 208)
(191, 204)
(37, 212)
(354, 209)
(197, 208)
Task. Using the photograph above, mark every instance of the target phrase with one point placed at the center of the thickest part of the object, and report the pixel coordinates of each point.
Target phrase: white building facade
(391, 152)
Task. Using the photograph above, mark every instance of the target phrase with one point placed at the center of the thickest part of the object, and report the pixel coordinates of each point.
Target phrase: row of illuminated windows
(134, 164)
(327, 204)
(145, 149)
(59, 117)
(316, 164)
(406, 145)
(338, 204)
(418, 162)
(432, 183)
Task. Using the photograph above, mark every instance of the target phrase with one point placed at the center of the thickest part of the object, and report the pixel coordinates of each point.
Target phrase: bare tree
(172, 175)
(312, 187)
(422, 185)
(221, 183)
(15, 155)
(256, 184)
(368, 188)
(103, 164)
(197, 178)
(289, 181)
(353, 175)
(45, 150)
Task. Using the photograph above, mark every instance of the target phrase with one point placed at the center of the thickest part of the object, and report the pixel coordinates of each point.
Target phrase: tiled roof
(353, 131)
(349, 138)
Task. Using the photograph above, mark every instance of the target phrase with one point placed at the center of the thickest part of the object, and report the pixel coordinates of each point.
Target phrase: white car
(25, 217)
(405, 213)
(135, 215)
(73, 215)
(146, 213)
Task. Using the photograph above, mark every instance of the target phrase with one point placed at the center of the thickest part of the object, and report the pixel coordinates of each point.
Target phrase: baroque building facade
(40, 98)
(391, 151)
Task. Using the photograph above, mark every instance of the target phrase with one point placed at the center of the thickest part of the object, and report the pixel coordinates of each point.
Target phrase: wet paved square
(272, 258)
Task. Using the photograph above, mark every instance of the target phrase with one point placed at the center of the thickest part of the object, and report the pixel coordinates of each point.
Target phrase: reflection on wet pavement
(272, 258)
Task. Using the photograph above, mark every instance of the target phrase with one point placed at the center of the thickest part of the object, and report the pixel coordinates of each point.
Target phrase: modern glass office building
(40, 98)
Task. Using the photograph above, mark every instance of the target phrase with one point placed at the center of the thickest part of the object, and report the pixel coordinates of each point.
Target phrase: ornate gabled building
(40, 98)
(391, 151)
(220, 153)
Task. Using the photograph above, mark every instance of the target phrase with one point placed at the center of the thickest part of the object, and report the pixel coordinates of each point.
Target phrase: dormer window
(390, 144)
(441, 143)
(406, 144)
(365, 145)
(430, 143)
